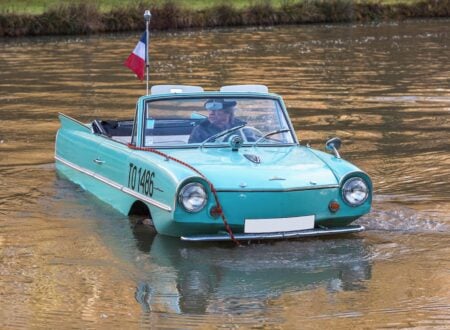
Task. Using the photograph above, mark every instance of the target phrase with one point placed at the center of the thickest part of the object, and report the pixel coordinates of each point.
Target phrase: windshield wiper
(225, 132)
(284, 130)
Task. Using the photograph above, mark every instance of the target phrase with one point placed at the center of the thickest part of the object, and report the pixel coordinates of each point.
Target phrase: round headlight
(355, 191)
(193, 197)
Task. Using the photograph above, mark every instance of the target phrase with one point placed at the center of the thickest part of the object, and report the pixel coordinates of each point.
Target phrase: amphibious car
(194, 177)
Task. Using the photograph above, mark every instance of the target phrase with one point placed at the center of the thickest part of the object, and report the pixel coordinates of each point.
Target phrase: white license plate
(278, 224)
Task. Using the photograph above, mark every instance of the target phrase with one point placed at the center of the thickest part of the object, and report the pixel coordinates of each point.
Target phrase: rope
(218, 207)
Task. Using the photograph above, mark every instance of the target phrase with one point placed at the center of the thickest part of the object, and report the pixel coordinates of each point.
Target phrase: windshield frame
(281, 112)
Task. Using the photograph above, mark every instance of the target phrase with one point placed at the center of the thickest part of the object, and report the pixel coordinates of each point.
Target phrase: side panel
(78, 158)
(112, 164)
(96, 187)
(103, 167)
(76, 144)
(156, 178)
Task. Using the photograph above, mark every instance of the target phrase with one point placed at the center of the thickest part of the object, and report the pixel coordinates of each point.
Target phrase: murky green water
(68, 260)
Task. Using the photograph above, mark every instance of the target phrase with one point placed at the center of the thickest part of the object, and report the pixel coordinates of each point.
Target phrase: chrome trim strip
(278, 235)
(115, 185)
(329, 186)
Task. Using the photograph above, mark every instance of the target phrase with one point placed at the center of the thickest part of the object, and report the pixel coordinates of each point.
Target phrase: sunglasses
(214, 105)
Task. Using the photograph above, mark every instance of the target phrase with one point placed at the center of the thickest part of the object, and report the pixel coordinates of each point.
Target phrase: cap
(219, 104)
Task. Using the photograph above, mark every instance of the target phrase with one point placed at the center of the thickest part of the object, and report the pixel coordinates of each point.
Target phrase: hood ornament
(253, 158)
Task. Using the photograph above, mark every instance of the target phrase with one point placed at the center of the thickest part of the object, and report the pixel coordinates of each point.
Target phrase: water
(67, 259)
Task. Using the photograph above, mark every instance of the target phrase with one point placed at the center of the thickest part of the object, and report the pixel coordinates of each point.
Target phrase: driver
(220, 118)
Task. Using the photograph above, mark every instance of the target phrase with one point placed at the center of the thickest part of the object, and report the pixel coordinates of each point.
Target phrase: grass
(41, 6)
(97, 16)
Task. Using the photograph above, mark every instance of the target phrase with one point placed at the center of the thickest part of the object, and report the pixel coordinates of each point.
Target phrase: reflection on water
(216, 279)
(67, 258)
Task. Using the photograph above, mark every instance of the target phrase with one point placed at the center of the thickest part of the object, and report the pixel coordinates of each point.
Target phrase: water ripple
(66, 258)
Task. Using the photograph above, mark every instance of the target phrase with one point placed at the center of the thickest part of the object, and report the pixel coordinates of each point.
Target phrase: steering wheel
(250, 133)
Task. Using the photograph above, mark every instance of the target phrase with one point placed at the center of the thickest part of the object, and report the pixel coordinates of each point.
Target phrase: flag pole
(147, 17)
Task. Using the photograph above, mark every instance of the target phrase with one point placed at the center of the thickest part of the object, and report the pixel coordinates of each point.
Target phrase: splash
(405, 219)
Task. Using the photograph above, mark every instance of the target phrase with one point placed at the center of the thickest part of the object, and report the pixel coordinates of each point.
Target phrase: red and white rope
(218, 207)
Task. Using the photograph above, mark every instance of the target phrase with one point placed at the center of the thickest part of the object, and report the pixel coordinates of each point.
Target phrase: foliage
(87, 17)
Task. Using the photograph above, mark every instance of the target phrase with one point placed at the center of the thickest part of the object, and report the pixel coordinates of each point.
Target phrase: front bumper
(277, 235)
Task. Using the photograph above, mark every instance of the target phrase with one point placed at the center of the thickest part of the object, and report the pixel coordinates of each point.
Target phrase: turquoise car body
(278, 181)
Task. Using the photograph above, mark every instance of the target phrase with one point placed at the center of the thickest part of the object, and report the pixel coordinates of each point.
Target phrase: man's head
(220, 111)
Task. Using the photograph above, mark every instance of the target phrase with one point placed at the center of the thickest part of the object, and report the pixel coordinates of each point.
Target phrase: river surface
(69, 260)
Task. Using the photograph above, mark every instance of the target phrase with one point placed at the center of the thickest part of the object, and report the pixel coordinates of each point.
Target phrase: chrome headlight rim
(345, 191)
(193, 197)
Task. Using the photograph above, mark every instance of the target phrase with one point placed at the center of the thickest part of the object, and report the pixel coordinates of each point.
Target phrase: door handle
(99, 161)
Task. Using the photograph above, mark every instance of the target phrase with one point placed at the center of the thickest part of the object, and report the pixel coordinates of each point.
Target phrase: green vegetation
(41, 6)
(83, 17)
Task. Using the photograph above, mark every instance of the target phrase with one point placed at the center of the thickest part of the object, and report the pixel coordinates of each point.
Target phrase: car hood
(280, 168)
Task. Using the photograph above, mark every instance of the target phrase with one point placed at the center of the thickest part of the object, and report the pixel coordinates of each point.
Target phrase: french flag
(136, 60)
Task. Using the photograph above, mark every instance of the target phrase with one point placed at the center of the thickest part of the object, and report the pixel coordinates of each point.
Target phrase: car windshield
(214, 120)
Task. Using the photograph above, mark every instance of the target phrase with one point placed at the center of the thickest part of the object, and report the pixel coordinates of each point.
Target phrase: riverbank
(87, 18)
